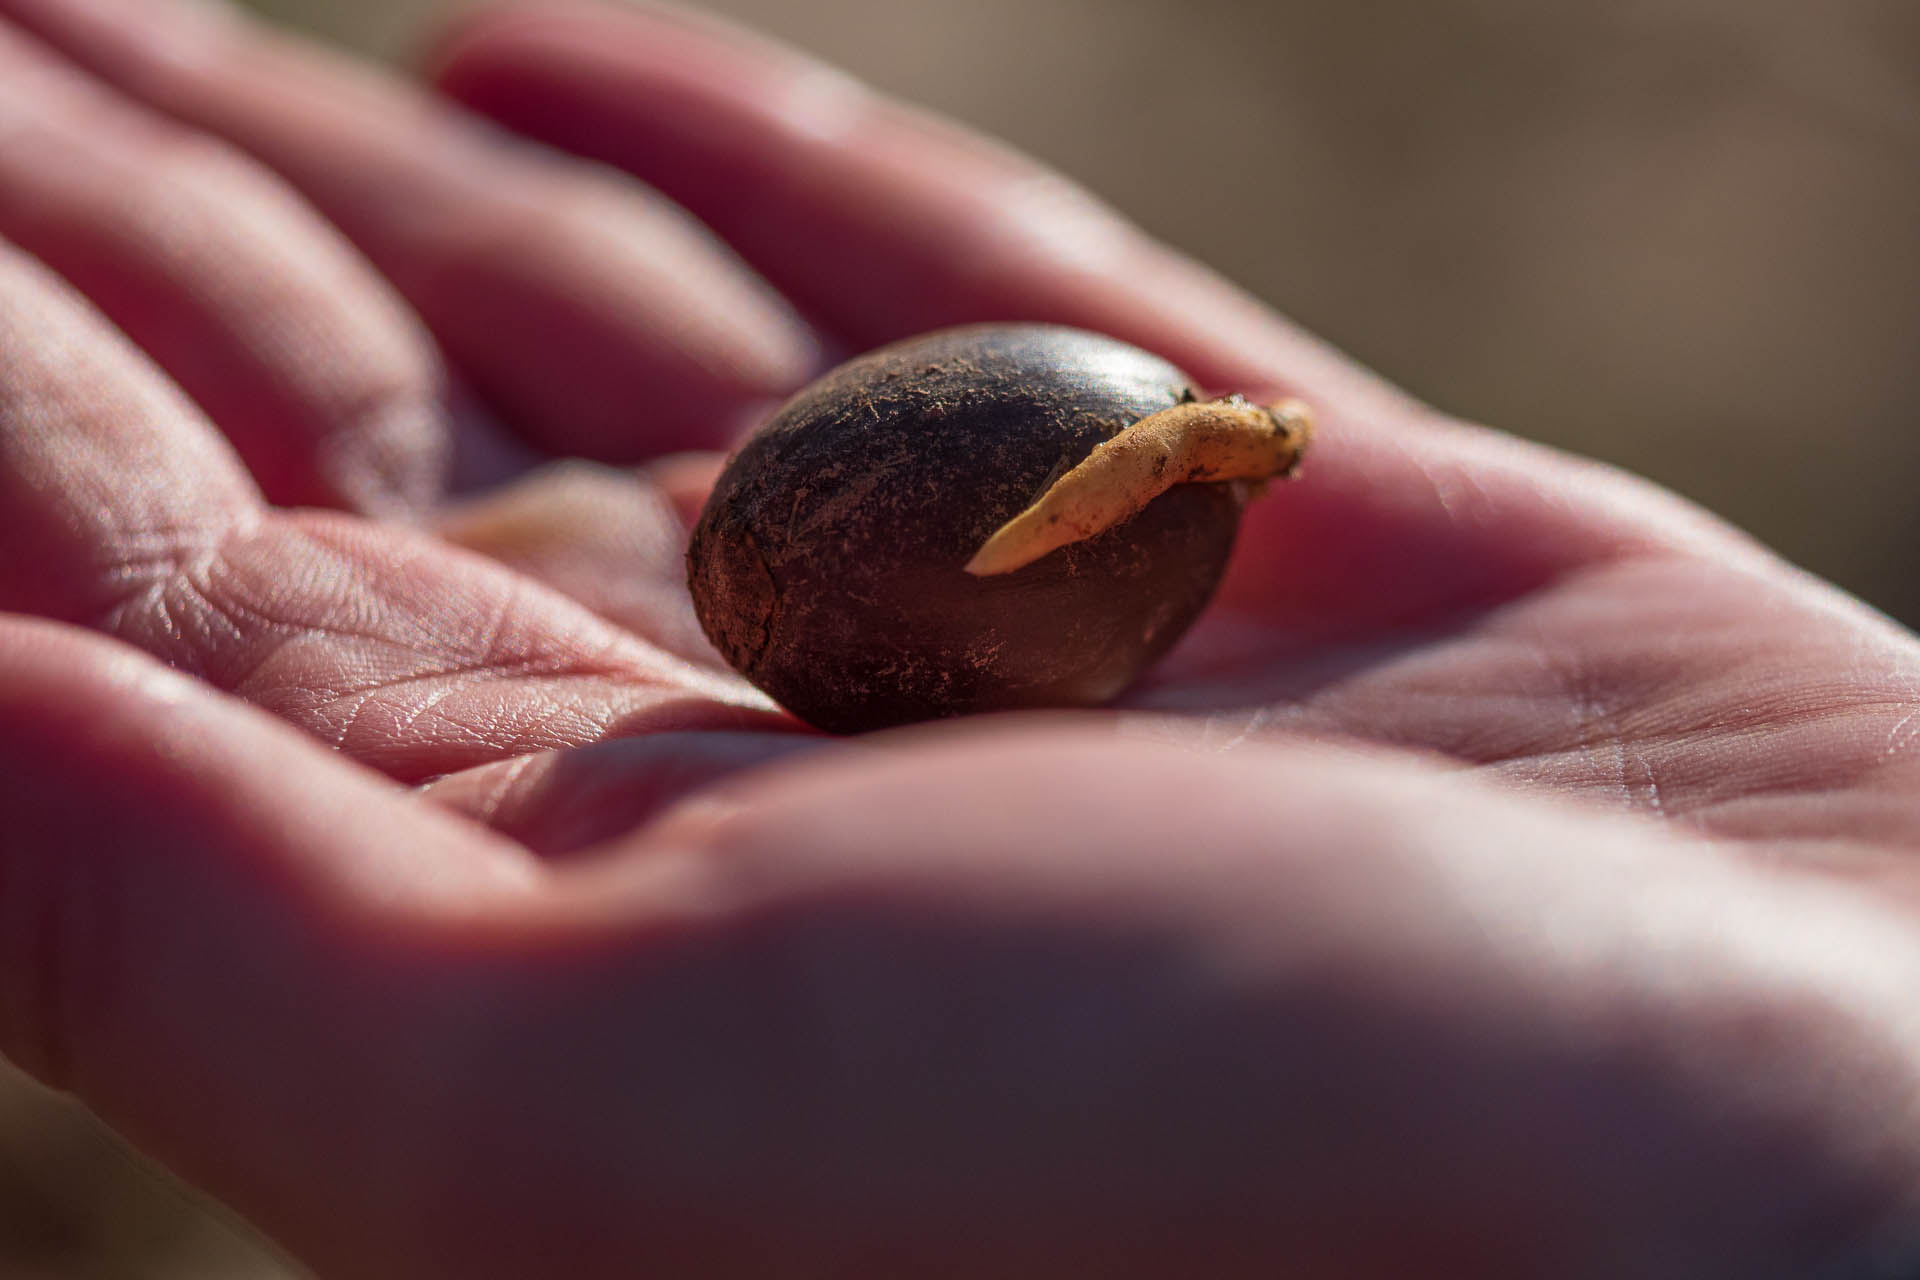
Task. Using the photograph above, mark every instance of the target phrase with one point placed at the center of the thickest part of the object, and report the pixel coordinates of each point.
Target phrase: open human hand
(1510, 876)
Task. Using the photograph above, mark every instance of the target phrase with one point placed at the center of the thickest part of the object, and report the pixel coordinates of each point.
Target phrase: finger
(398, 649)
(198, 907)
(890, 223)
(882, 220)
(105, 470)
(315, 373)
(601, 318)
(1360, 1007)
(613, 540)
(685, 480)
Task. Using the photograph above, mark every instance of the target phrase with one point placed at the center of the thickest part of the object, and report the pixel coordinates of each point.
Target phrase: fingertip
(685, 480)
(610, 539)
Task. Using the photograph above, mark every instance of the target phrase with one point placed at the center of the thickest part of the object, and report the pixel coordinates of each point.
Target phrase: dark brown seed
(829, 563)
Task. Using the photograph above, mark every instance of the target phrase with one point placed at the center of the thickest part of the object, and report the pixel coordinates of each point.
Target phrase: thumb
(200, 911)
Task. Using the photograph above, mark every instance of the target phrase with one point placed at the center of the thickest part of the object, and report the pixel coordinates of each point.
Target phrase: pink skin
(1511, 876)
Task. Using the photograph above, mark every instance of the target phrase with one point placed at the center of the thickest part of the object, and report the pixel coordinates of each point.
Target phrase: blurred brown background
(1676, 234)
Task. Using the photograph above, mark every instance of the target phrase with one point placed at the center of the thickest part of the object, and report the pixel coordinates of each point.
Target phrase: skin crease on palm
(1510, 876)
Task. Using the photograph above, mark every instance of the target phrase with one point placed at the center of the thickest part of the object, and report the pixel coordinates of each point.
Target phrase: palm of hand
(873, 1010)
